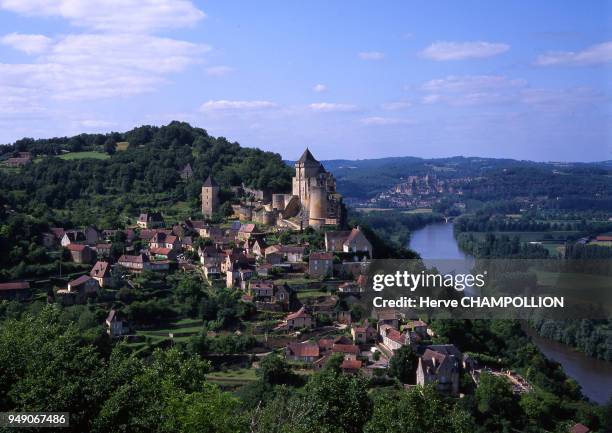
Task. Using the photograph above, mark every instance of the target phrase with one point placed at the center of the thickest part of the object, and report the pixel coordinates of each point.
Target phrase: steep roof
(307, 157)
(18, 285)
(350, 364)
(304, 349)
(81, 280)
(300, 313)
(99, 270)
(210, 182)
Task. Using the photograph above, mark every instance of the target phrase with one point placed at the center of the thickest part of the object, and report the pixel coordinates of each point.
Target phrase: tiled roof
(321, 255)
(350, 364)
(304, 349)
(99, 270)
(17, 285)
(78, 281)
(300, 313)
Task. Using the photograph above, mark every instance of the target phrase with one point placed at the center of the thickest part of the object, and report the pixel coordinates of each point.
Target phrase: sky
(348, 79)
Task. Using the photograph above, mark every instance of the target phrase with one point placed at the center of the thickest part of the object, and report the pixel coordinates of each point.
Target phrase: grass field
(84, 155)
(122, 146)
(304, 294)
(546, 237)
(419, 210)
(182, 330)
(241, 376)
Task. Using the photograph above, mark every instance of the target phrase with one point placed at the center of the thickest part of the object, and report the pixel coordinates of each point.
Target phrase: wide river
(437, 246)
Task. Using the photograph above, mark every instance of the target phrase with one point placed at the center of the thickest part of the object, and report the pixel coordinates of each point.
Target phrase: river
(438, 247)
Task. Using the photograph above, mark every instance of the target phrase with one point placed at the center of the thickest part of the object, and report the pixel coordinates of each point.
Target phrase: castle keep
(313, 201)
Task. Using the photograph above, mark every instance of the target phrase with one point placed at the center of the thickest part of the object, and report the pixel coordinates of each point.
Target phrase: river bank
(438, 247)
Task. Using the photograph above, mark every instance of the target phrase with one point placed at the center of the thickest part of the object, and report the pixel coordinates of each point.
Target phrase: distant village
(246, 253)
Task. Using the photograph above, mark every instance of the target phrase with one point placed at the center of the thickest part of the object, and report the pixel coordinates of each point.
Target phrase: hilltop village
(231, 258)
(287, 258)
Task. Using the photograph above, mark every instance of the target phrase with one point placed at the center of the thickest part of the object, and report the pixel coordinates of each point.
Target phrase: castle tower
(317, 206)
(306, 171)
(210, 197)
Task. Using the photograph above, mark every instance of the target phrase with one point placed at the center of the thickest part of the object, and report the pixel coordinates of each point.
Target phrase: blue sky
(527, 80)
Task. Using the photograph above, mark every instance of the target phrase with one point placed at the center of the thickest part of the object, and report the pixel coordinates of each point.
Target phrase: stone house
(440, 364)
(101, 272)
(320, 264)
(302, 352)
(114, 325)
(81, 253)
(17, 290)
(150, 220)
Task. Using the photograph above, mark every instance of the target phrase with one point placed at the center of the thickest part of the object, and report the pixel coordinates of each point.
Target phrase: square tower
(210, 197)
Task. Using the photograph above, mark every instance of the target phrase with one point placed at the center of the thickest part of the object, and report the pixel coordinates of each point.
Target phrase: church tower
(210, 197)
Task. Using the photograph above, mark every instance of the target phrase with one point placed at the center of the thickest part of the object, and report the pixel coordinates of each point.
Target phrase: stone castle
(313, 201)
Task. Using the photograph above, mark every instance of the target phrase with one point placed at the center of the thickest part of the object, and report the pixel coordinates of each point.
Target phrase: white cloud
(471, 89)
(226, 105)
(218, 71)
(593, 55)
(384, 121)
(463, 50)
(397, 105)
(29, 44)
(95, 123)
(371, 55)
(97, 66)
(330, 107)
(125, 16)
(319, 88)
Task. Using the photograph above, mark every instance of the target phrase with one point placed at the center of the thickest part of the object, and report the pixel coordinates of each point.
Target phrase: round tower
(317, 211)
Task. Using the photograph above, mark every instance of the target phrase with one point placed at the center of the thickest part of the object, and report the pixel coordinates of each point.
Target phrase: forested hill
(489, 178)
(132, 171)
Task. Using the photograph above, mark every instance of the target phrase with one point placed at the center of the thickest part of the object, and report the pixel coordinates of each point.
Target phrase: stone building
(210, 197)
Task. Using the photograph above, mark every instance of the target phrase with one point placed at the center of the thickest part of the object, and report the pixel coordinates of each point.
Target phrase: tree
(274, 370)
(403, 364)
(495, 402)
(110, 146)
(421, 409)
(334, 402)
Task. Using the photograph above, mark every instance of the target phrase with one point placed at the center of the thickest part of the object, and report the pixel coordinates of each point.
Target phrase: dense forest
(580, 186)
(145, 175)
(111, 389)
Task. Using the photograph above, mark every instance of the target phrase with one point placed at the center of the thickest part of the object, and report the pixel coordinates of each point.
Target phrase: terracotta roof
(76, 247)
(140, 258)
(354, 233)
(395, 335)
(161, 251)
(321, 255)
(345, 348)
(416, 324)
(16, 285)
(100, 270)
(247, 228)
(579, 428)
(300, 313)
(326, 343)
(604, 238)
(78, 281)
(350, 364)
(303, 349)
